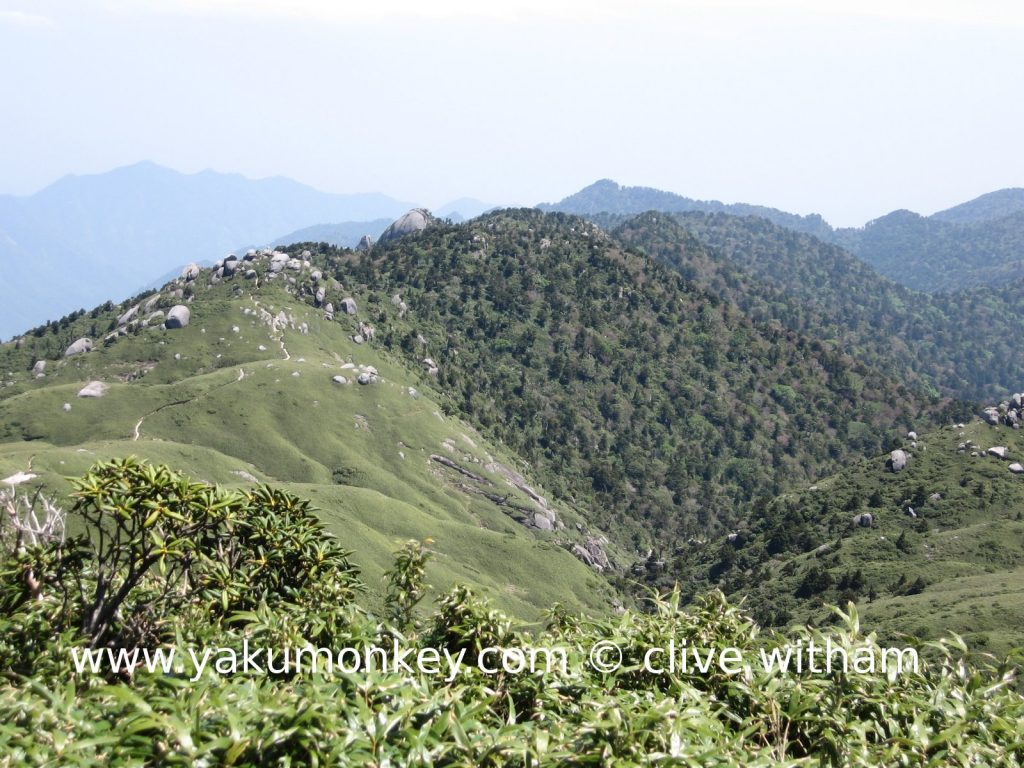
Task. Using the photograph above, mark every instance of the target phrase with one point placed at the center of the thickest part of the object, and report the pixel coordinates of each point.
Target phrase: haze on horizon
(845, 109)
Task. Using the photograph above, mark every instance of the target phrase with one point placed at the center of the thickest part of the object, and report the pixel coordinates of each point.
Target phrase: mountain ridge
(98, 236)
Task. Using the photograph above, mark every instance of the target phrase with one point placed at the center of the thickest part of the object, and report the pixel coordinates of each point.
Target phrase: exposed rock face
(339, 380)
(191, 272)
(1016, 468)
(178, 317)
(592, 553)
(415, 220)
(349, 306)
(1009, 412)
(39, 369)
(93, 389)
(80, 347)
(365, 243)
(321, 294)
(897, 461)
(364, 378)
(402, 306)
(430, 366)
(998, 451)
(127, 316)
(278, 262)
(864, 520)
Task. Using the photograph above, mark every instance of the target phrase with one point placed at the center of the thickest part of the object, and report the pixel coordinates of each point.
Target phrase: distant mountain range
(606, 196)
(86, 239)
(980, 242)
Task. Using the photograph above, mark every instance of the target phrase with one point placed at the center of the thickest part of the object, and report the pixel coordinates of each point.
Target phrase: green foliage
(932, 254)
(814, 288)
(156, 541)
(954, 711)
(944, 552)
(406, 582)
(651, 404)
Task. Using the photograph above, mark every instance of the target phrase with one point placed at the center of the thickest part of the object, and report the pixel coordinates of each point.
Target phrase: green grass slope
(234, 399)
(944, 551)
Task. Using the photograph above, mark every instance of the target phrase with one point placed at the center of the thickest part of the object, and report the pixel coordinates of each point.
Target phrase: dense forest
(961, 344)
(654, 405)
(935, 254)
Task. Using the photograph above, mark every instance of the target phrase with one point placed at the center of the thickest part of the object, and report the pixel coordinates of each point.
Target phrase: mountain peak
(988, 207)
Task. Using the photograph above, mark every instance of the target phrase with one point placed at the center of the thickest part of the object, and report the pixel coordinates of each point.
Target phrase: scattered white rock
(1016, 468)
(178, 317)
(79, 347)
(93, 389)
(19, 478)
(897, 461)
(998, 451)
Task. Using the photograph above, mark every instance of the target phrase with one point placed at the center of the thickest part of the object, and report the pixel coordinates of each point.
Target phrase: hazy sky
(848, 109)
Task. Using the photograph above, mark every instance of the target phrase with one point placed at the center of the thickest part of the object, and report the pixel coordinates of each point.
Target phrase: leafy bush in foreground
(302, 590)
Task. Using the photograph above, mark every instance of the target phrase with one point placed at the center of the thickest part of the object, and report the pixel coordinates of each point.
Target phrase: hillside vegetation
(191, 566)
(245, 394)
(655, 407)
(976, 243)
(941, 254)
(961, 344)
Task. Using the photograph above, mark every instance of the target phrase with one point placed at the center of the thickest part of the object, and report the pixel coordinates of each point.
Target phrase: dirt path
(137, 432)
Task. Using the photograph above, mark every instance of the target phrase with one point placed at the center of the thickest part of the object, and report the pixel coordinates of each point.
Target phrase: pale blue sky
(847, 109)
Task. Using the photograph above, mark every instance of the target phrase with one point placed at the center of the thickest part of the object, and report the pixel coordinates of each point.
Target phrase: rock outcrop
(80, 347)
(415, 220)
(178, 317)
(93, 389)
(897, 461)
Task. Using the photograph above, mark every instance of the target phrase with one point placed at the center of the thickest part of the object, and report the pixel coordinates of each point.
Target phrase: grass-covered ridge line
(224, 400)
(178, 536)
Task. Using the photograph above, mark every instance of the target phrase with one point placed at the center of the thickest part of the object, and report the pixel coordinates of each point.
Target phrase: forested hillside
(606, 196)
(941, 254)
(654, 405)
(961, 344)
